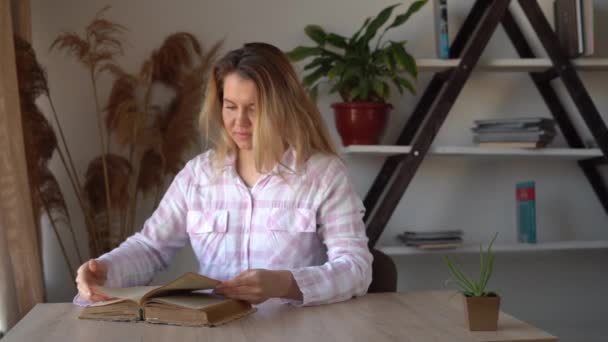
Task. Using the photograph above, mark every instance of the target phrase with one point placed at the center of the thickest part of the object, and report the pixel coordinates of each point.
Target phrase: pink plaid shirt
(309, 223)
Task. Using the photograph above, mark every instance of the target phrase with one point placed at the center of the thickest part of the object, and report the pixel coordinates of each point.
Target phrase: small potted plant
(359, 69)
(481, 306)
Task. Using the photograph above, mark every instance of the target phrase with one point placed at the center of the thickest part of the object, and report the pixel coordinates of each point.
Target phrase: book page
(124, 310)
(194, 301)
(187, 282)
(195, 309)
(119, 294)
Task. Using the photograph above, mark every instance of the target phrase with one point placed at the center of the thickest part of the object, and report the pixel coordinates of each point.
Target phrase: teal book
(525, 194)
(442, 40)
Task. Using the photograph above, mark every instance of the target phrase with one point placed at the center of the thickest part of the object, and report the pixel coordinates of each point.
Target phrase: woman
(269, 210)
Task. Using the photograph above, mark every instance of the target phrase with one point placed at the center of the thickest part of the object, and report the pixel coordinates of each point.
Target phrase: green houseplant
(481, 306)
(359, 69)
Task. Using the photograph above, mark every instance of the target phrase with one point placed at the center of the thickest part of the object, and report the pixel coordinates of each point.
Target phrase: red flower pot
(361, 123)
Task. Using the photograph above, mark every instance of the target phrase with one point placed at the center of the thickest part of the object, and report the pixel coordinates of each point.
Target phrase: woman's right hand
(91, 273)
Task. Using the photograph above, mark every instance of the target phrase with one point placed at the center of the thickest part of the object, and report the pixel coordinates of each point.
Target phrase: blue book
(441, 29)
(526, 212)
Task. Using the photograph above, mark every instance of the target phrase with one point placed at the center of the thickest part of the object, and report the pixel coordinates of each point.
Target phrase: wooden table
(415, 316)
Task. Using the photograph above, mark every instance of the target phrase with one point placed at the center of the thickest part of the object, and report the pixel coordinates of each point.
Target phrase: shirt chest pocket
(294, 220)
(208, 232)
(291, 237)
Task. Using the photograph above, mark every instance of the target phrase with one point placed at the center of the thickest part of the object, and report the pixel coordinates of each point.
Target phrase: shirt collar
(288, 162)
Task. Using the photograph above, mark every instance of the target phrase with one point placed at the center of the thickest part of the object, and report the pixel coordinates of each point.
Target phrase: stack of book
(514, 132)
(436, 239)
(574, 26)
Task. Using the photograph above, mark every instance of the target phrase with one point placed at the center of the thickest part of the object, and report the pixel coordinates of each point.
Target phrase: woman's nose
(243, 118)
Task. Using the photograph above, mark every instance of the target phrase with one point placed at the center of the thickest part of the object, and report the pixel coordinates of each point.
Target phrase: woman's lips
(242, 135)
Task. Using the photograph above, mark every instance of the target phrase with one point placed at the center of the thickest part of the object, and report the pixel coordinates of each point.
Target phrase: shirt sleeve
(347, 273)
(138, 258)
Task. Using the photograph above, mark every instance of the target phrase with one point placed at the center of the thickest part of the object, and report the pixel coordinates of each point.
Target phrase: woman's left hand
(258, 285)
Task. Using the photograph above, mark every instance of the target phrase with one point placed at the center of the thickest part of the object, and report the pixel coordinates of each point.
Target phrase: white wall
(562, 292)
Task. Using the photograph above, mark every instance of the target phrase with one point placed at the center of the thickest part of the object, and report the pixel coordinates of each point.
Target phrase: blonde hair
(286, 117)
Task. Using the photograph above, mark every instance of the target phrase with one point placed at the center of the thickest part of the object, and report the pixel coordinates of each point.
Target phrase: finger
(84, 274)
(87, 290)
(240, 290)
(93, 265)
(99, 292)
(84, 291)
(245, 278)
(91, 280)
(81, 271)
(242, 296)
(250, 299)
(92, 297)
(93, 270)
(97, 269)
(236, 281)
(98, 298)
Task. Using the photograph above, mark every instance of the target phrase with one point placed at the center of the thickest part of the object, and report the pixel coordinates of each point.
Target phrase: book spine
(566, 26)
(573, 28)
(588, 22)
(560, 28)
(441, 29)
(580, 47)
(526, 212)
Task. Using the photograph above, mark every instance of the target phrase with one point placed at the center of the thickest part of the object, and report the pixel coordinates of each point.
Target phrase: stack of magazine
(532, 132)
(434, 239)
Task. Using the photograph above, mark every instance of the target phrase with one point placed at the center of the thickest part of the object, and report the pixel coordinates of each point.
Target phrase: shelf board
(512, 64)
(464, 151)
(505, 247)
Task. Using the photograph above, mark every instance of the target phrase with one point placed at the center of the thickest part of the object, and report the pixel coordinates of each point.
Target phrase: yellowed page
(188, 281)
(119, 294)
(124, 310)
(138, 294)
(194, 301)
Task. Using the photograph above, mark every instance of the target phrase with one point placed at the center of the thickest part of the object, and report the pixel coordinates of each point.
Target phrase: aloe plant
(469, 286)
(358, 71)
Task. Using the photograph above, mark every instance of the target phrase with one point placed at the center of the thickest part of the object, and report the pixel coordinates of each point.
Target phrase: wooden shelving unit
(477, 152)
(499, 248)
(415, 143)
(511, 64)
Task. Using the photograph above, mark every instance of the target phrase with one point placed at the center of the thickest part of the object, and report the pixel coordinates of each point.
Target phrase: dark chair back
(384, 273)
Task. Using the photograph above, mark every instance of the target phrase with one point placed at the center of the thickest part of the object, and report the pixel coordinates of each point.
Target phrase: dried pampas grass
(119, 170)
(150, 172)
(157, 138)
(182, 65)
(181, 132)
(179, 52)
(118, 173)
(30, 75)
(101, 42)
(40, 143)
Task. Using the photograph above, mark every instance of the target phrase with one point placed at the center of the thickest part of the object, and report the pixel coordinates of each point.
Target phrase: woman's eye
(230, 107)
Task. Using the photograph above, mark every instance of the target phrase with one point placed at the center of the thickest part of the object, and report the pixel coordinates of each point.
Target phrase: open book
(179, 302)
